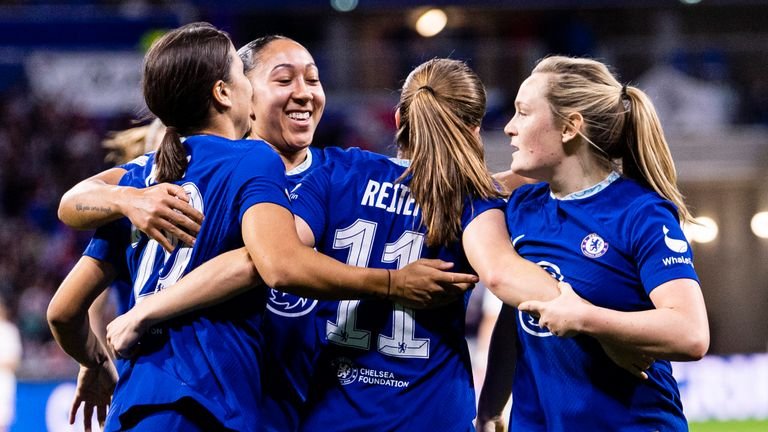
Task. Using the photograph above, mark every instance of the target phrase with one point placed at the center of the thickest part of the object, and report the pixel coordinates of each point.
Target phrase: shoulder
(527, 193)
(638, 201)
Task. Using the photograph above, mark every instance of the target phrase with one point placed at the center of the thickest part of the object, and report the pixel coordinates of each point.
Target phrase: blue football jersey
(614, 244)
(383, 366)
(213, 356)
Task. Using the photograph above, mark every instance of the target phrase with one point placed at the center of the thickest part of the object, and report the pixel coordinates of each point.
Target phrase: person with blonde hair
(606, 220)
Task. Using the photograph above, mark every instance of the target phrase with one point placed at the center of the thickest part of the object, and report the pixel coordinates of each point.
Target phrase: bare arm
(676, 329)
(506, 274)
(97, 200)
(68, 319)
(215, 281)
(497, 386)
(313, 274)
(68, 311)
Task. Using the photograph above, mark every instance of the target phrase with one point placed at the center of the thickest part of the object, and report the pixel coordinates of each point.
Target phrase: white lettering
(383, 194)
(370, 192)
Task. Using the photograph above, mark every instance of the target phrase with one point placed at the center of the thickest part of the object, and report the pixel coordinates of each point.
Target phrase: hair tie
(625, 98)
(171, 129)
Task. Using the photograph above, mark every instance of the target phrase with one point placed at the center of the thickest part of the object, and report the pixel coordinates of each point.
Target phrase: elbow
(695, 345)
(494, 281)
(276, 275)
(58, 316)
(699, 345)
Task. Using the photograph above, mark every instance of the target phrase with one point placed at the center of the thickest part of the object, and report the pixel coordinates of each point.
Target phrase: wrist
(120, 198)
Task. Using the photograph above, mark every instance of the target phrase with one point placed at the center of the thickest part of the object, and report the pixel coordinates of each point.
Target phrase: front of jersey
(384, 366)
(614, 244)
(211, 357)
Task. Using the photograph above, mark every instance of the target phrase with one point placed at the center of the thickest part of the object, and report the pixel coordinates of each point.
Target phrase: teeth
(299, 115)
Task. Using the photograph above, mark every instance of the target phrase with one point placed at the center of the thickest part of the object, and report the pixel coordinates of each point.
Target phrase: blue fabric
(614, 247)
(383, 366)
(213, 356)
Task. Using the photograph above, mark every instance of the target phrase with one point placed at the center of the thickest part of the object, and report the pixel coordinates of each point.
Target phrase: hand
(495, 424)
(561, 315)
(628, 359)
(94, 390)
(163, 209)
(124, 332)
(426, 283)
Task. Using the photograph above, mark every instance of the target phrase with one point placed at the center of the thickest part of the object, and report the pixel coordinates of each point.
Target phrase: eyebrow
(291, 66)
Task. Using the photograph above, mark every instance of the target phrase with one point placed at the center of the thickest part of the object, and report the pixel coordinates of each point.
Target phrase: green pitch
(734, 426)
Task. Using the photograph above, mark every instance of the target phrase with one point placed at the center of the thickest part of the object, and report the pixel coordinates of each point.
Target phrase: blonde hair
(441, 106)
(620, 122)
(126, 145)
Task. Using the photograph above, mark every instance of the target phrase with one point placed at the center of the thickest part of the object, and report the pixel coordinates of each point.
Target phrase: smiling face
(288, 98)
(536, 137)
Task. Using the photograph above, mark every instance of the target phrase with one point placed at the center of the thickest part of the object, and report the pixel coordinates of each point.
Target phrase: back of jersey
(211, 356)
(384, 366)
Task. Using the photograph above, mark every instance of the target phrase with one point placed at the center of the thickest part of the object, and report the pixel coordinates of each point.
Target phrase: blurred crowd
(44, 150)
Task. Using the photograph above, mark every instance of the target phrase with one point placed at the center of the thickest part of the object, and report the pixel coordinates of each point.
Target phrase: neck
(219, 127)
(575, 174)
(293, 159)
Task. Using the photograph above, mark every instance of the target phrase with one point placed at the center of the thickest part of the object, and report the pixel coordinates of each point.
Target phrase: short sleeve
(109, 242)
(309, 199)
(659, 246)
(138, 162)
(476, 207)
(261, 176)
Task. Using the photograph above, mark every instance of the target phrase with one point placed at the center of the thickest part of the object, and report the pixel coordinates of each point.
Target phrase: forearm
(661, 333)
(309, 273)
(93, 202)
(215, 281)
(68, 311)
(312, 274)
(518, 280)
(506, 274)
(78, 340)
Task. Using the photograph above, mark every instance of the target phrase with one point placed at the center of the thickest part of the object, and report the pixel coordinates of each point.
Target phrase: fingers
(435, 263)
(159, 237)
(101, 415)
(73, 410)
(456, 278)
(87, 415)
(530, 306)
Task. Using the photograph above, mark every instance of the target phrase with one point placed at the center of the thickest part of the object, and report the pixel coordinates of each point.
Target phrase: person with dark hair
(204, 367)
(373, 211)
(607, 222)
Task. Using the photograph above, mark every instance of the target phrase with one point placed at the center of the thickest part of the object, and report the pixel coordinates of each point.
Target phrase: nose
(301, 91)
(509, 129)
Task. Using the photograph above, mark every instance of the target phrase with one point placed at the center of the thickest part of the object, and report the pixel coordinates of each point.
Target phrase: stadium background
(69, 73)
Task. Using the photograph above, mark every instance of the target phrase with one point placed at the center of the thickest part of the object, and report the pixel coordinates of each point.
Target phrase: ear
(222, 94)
(397, 118)
(572, 126)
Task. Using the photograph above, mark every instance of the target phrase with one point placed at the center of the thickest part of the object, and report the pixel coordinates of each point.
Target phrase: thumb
(530, 306)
